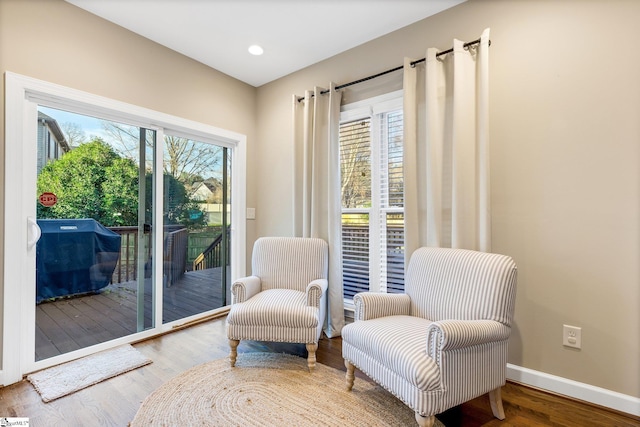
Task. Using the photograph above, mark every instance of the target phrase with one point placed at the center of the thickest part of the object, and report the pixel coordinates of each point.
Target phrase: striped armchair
(444, 341)
(285, 298)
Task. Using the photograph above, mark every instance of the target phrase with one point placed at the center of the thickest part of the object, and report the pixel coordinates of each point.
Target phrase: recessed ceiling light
(255, 50)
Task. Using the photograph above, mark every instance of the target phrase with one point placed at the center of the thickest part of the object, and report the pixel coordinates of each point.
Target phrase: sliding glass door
(121, 223)
(195, 265)
(94, 214)
(95, 261)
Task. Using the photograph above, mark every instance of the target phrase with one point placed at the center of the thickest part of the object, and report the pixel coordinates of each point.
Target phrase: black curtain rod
(413, 64)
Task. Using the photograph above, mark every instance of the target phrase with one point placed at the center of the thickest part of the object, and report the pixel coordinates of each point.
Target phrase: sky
(90, 125)
(93, 127)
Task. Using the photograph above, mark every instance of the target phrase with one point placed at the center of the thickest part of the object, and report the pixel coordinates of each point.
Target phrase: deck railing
(212, 256)
(127, 267)
(174, 254)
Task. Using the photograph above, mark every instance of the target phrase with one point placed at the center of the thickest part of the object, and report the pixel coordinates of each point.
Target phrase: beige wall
(565, 135)
(57, 42)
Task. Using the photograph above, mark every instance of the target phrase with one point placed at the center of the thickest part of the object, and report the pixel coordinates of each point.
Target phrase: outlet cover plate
(571, 336)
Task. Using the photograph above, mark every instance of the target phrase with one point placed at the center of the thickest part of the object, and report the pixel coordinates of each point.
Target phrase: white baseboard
(581, 391)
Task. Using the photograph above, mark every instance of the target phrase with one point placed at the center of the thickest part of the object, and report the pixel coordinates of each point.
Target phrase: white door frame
(22, 95)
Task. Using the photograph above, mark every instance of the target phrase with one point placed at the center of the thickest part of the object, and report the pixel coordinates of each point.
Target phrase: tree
(183, 158)
(216, 191)
(120, 192)
(73, 133)
(178, 206)
(355, 164)
(93, 181)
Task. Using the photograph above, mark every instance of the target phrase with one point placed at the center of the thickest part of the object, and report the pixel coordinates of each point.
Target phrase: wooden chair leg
(351, 369)
(495, 398)
(233, 355)
(425, 421)
(311, 359)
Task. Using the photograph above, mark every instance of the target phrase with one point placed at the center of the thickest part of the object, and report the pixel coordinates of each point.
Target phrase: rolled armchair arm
(244, 288)
(371, 305)
(315, 290)
(453, 334)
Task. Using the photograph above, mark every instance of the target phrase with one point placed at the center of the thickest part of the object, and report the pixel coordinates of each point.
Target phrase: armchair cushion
(275, 307)
(397, 343)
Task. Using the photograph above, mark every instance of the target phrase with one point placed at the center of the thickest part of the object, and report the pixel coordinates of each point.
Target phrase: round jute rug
(270, 389)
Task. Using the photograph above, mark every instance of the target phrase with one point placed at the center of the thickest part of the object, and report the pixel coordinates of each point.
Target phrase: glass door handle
(33, 232)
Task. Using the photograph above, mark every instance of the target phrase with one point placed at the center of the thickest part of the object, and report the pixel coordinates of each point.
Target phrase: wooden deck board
(57, 327)
(120, 319)
(45, 348)
(125, 301)
(92, 323)
(98, 308)
(69, 324)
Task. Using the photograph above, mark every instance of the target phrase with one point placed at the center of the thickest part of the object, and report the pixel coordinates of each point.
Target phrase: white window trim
(378, 104)
(21, 96)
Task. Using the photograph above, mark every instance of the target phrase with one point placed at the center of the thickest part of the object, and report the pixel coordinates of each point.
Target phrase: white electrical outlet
(571, 336)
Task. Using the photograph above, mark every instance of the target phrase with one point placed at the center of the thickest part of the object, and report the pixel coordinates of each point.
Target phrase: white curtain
(446, 157)
(317, 203)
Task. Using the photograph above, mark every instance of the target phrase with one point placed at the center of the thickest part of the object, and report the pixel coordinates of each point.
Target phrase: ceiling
(218, 33)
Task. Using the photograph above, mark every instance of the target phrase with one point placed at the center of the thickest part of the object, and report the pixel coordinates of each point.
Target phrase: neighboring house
(204, 193)
(51, 141)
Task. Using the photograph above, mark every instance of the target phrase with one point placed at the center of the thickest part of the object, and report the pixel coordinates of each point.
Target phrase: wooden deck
(69, 324)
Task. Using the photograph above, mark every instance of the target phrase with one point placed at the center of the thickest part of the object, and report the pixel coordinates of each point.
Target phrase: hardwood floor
(114, 402)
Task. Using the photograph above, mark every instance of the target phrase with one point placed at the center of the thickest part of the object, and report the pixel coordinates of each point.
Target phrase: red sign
(48, 199)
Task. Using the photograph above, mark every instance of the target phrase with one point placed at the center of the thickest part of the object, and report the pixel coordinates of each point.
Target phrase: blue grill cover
(74, 256)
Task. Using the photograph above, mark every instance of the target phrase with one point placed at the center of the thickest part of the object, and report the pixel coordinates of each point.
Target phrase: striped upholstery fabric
(444, 341)
(399, 343)
(289, 262)
(480, 283)
(370, 305)
(285, 298)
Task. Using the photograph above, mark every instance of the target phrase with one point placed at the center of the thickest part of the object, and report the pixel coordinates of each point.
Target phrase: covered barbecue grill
(74, 256)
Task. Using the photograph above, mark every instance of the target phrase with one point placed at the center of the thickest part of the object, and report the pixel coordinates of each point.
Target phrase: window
(372, 195)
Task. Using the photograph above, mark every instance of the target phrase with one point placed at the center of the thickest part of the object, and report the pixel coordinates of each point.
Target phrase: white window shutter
(371, 150)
